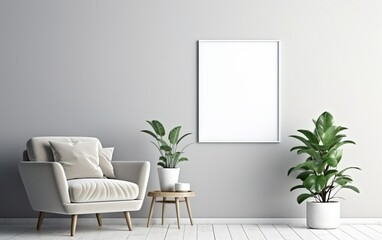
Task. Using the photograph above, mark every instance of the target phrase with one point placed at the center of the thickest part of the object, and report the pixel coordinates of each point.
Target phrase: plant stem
(335, 192)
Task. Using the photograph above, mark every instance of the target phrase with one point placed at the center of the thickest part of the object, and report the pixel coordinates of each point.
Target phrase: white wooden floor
(197, 232)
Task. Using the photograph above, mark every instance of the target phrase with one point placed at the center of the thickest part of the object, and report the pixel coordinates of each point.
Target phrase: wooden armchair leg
(99, 219)
(73, 225)
(128, 220)
(40, 220)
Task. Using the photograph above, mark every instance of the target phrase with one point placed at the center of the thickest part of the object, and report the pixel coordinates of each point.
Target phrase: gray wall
(101, 68)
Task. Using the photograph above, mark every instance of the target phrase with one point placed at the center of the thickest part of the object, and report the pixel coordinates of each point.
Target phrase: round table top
(171, 194)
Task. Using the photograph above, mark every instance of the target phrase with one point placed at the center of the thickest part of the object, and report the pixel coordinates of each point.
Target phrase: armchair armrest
(133, 171)
(46, 186)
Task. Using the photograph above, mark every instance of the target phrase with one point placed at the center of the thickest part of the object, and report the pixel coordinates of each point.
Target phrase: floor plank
(139, 233)
(11, 231)
(118, 231)
(237, 232)
(120, 235)
(323, 234)
(190, 232)
(303, 232)
(174, 233)
(270, 232)
(368, 232)
(221, 232)
(339, 234)
(205, 232)
(354, 232)
(287, 232)
(253, 232)
(377, 228)
(51, 231)
(157, 232)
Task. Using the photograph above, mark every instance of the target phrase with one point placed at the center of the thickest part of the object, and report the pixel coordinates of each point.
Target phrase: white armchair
(49, 191)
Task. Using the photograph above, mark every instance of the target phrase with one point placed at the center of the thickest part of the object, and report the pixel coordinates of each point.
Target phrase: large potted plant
(170, 155)
(319, 173)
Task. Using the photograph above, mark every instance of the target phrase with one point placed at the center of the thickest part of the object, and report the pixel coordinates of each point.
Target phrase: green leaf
(158, 128)
(324, 122)
(327, 136)
(161, 158)
(338, 155)
(298, 148)
(341, 172)
(150, 133)
(320, 183)
(304, 175)
(183, 159)
(174, 159)
(310, 182)
(149, 122)
(180, 139)
(176, 156)
(345, 177)
(332, 162)
(297, 187)
(331, 158)
(303, 197)
(316, 183)
(343, 181)
(311, 152)
(320, 166)
(331, 172)
(174, 135)
(309, 135)
(163, 142)
(165, 148)
(343, 143)
(161, 164)
(355, 189)
(305, 141)
(290, 170)
(339, 129)
(302, 166)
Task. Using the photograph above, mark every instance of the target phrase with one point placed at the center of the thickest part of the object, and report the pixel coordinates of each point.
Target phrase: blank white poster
(238, 91)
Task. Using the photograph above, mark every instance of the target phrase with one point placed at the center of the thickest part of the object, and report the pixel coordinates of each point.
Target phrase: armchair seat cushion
(100, 190)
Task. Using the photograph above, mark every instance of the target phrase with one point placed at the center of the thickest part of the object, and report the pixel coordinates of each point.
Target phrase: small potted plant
(170, 155)
(319, 173)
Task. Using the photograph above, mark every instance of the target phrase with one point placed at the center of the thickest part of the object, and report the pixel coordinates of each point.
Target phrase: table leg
(151, 211)
(177, 210)
(163, 209)
(189, 210)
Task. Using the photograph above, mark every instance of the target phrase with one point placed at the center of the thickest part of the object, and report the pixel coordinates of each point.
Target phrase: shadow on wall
(14, 201)
(275, 194)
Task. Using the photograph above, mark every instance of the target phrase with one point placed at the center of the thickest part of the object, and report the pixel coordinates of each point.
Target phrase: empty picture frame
(238, 95)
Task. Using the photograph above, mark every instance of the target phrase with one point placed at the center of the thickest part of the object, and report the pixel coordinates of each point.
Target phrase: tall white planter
(167, 178)
(323, 215)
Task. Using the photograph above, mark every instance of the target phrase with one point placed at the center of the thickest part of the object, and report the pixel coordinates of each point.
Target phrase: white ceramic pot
(167, 178)
(323, 215)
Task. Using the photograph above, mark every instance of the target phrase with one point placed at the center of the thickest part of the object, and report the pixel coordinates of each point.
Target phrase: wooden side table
(165, 200)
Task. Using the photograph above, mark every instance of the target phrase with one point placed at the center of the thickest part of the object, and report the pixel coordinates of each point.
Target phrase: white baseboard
(143, 221)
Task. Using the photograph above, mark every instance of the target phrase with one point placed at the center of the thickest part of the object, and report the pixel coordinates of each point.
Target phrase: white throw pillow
(105, 156)
(79, 159)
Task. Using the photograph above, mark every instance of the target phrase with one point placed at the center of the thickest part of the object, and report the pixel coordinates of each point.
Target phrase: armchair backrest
(38, 148)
